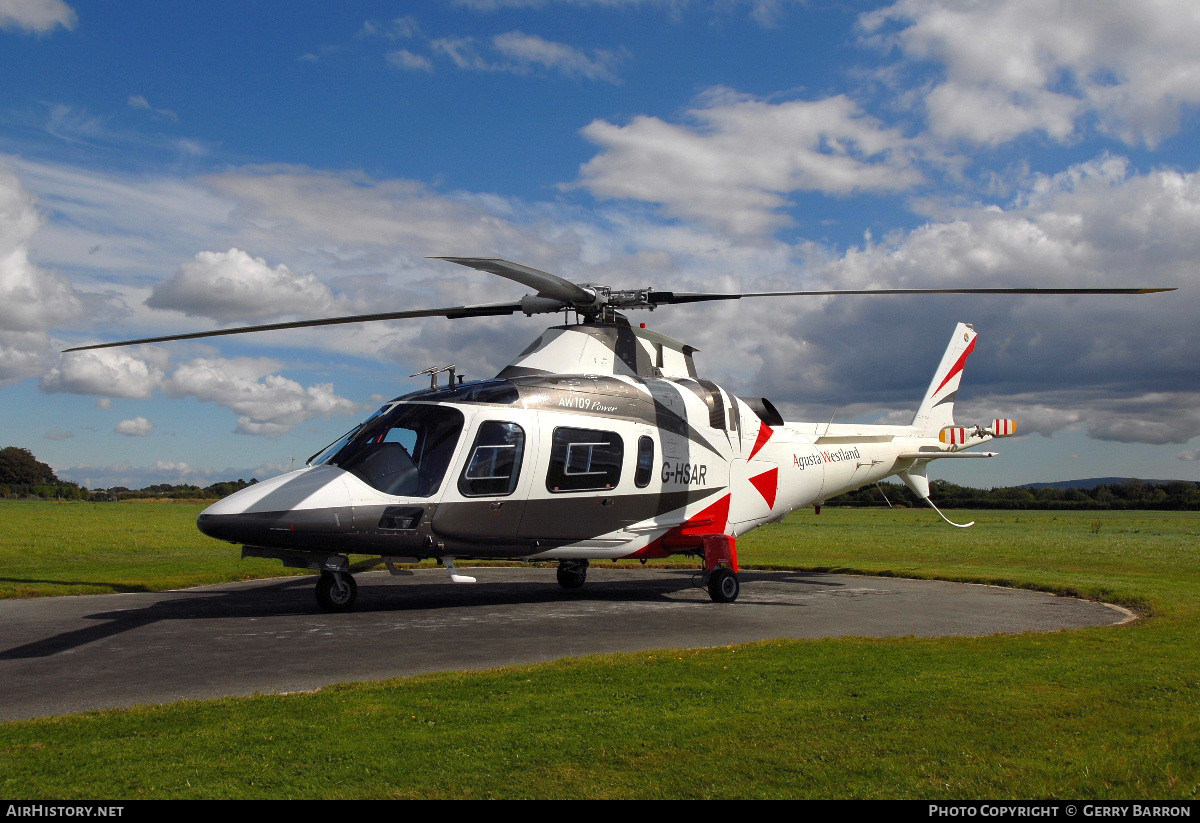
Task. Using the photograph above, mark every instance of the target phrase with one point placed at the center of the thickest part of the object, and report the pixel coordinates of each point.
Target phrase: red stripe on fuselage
(690, 534)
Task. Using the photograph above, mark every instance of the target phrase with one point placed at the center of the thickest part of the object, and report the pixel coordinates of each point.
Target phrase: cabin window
(405, 451)
(645, 462)
(494, 464)
(584, 460)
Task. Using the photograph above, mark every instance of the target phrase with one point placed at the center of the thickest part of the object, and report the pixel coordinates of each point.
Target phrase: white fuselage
(606, 467)
(598, 441)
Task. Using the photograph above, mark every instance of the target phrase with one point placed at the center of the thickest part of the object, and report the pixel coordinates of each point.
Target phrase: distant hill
(1090, 483)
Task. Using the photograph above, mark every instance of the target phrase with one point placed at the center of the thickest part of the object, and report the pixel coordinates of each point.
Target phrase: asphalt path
(71, 654)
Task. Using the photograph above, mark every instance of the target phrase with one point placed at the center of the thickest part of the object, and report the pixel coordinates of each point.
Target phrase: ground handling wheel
(336, 591)
(572, 573)
(723, 585)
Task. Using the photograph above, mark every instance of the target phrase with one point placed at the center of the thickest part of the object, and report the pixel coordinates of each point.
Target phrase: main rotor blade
(547, 284)
(480, 310)
(668, 297)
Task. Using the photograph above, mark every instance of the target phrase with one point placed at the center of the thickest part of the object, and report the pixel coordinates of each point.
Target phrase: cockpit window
(327, 453)
(404, 452)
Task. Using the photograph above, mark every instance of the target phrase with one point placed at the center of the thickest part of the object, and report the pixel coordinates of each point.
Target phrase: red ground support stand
(720, 550)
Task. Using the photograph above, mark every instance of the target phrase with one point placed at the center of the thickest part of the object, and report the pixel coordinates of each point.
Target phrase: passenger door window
(494, 464)
(645, 462)
(584, 460)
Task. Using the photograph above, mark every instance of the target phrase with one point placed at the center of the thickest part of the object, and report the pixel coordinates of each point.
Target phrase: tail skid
(916, 480)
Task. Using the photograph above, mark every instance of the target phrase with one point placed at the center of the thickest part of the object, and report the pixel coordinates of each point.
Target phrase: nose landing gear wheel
(336, 591)
(723, 585)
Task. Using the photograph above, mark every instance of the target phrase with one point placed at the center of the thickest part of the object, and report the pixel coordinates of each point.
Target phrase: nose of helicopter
(289, 510)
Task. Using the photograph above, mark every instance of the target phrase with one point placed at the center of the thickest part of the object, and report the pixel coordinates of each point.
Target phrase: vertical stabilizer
(937, 407)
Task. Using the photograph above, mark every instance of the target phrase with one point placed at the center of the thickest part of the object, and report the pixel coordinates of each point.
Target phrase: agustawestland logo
(801, 461)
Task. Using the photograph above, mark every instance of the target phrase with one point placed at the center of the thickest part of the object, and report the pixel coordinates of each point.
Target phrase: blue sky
(169, 167)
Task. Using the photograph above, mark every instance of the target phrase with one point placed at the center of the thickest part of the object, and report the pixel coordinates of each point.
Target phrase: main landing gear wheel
(336, 591)
(572, 573)
(723, 585)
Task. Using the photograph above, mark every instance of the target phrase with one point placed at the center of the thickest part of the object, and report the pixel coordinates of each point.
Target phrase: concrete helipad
(69, 654)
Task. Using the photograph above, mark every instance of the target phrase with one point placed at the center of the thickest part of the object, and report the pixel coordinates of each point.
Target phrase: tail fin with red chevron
(937, 407)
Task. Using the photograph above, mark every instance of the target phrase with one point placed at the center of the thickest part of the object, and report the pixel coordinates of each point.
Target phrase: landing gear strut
(721, 567)
(572, 573)
(336, 591)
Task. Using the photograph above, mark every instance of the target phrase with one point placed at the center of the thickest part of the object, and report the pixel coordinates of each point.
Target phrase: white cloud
(108, 373)
(357, 213)
(736, 162)
(530, 50)
(39, 16)
(31, 298)
(112, 227)
(22, 354)
(398, 28)
(1148, 417)
(405, 59)
(134, 427)
(765, 12)
(138, 101)
(1041, 65)
(463, 52)
(515, 52)
(233, 285)
(266, 404)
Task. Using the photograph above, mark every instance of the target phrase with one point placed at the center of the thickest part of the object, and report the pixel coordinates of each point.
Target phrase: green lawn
(98, 548)
(1089, 714)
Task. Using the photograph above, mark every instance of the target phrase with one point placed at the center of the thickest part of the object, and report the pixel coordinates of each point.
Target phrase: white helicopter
(600, 441)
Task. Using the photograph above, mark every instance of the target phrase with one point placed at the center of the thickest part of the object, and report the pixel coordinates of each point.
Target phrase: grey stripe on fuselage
(605, 397)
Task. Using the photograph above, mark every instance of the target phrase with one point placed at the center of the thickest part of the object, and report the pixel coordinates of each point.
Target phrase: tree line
(1175, 495)
(23, 476)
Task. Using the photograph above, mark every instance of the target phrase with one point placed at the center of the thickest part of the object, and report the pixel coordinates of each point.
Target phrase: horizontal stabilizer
(938, 455)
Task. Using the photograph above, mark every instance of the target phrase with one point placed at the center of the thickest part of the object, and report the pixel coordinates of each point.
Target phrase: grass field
(1090, 714)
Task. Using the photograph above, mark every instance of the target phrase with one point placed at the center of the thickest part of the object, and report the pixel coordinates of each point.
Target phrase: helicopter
(599, 441)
